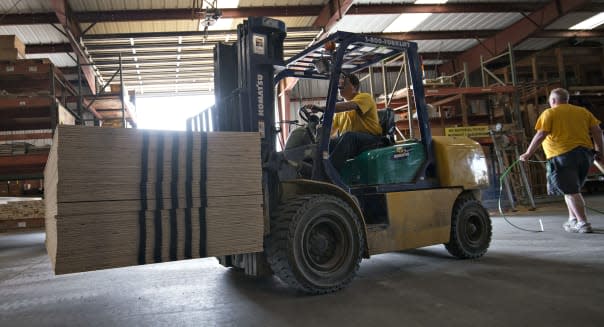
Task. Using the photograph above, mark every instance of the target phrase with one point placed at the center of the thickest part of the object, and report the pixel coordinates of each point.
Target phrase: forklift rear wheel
(470, 229)
(315, 244)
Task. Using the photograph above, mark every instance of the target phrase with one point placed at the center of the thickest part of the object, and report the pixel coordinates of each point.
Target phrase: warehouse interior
(87, 74)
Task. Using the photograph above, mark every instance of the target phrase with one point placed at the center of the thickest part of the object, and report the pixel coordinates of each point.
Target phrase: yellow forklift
(320, 222)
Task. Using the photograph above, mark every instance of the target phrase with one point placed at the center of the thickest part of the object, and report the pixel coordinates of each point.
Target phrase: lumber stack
(11, 48)
(20, 215)
(122, 197)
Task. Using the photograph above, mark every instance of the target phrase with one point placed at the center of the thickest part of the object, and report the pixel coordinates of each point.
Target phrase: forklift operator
(355, 125)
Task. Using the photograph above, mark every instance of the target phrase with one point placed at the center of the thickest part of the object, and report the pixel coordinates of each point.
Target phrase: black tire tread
(454, 246)
(277, 244)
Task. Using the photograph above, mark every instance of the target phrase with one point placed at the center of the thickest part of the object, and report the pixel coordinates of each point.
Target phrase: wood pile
(122, 197)
(11, 48)
(19, 215)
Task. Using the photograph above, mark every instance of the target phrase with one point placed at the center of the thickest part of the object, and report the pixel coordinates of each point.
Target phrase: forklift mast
(244, 78)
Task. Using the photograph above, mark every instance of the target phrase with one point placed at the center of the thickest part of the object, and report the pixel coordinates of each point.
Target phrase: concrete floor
(526, 279)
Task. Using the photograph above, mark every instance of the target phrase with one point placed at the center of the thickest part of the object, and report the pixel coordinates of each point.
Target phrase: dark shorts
(567, 172)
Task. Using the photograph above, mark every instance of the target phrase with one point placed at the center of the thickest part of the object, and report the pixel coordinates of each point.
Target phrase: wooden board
(121, 197)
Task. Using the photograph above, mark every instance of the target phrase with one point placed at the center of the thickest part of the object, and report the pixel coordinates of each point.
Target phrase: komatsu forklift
(320, 222)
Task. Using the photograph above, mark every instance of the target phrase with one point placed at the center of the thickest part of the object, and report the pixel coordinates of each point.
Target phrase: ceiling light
(590, 23)
(406, 22)
(133, 51)
(131, 41)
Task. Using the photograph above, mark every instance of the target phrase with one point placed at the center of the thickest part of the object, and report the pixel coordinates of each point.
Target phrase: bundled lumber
(122, 197)
(25, 214)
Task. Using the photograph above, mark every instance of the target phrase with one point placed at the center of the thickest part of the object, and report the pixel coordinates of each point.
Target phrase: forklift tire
(470, 229)
(315, 244)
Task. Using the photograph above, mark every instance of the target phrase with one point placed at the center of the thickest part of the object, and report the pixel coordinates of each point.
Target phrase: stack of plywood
(11, 48)
(122, 197)
(16, 215)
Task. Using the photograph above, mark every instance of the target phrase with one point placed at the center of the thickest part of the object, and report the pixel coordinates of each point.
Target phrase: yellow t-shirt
(568, 128)
(363, 120)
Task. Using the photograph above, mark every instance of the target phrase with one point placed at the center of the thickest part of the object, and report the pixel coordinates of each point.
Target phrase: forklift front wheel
(470, 229)
(316, 243)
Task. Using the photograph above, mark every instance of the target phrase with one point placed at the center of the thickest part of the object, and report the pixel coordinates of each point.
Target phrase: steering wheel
(306, 111)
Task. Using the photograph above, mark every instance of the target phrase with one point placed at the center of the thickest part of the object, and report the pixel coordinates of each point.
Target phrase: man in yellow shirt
(356, 124)
(564, 130)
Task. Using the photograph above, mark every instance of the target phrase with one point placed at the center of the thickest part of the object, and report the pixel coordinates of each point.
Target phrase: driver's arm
(346, 106)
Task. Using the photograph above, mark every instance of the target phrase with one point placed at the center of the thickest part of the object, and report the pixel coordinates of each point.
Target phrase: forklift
(319, 222)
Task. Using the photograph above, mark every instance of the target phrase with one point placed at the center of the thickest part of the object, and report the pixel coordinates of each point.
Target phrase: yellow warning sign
(469, 131)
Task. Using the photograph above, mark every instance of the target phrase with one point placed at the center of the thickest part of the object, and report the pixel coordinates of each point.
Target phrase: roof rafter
(331, 13)
(516, 33)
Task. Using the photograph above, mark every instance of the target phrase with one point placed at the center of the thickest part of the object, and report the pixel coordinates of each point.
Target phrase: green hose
(505, 173)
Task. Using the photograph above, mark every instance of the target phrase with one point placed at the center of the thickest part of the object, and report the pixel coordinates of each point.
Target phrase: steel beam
(187, 13)
(63, 13)
(48, 48)
(30, 19)
(331, 13)
(217, 33)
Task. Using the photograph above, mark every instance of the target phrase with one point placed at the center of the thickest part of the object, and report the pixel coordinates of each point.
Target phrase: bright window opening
(169, 113)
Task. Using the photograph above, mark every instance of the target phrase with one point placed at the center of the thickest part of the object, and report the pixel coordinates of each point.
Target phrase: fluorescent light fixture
(406, 22)
(590, 23)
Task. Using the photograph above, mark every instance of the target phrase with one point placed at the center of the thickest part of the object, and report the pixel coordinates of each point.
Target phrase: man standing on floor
(564, 130)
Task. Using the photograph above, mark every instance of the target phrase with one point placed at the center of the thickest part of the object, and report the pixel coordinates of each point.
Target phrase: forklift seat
(386, 117)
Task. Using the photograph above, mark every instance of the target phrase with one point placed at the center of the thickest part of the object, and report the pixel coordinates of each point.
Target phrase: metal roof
(35, 34)
(535, 44)
(468, 21)
(58, 59)
(154, 45)
(24, 6)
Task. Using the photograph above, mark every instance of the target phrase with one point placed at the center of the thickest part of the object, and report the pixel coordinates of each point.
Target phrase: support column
(561, 68)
